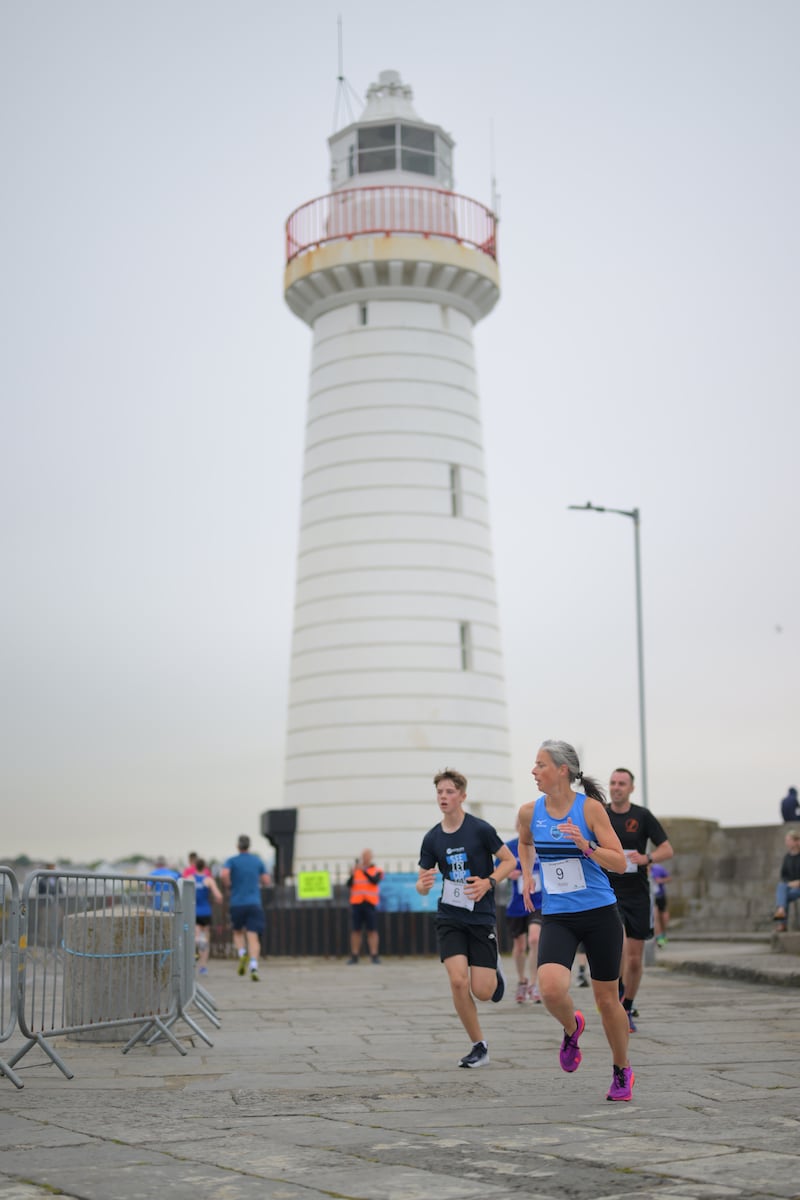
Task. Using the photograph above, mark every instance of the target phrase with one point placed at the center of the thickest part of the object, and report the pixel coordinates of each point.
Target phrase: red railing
(356, 212)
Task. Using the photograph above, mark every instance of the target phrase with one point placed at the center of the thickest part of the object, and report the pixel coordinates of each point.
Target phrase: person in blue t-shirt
(163, 893)
(523, 928)
(244, 874)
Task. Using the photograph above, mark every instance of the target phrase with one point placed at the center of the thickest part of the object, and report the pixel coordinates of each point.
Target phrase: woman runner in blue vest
(572, 835)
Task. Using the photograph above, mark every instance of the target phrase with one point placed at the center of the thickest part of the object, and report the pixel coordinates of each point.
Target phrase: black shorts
(516, 926)
(478, 943)
(661, 903)
(600, 931)
(364, 916)
(636, 911)
(203, 920)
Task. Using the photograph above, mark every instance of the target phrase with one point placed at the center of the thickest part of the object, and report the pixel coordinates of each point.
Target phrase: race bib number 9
(453, 893)
(565, 875)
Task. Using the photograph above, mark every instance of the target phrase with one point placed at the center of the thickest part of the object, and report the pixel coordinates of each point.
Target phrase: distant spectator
(49, 885)
(790, 806)
(659, 877)
(364, 884)
(162, 892)
(788, 890)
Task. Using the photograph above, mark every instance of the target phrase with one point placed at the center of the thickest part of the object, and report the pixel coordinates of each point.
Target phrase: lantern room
(390, 141)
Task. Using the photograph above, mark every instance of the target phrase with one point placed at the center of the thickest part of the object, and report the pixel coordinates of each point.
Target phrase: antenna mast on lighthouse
(343, 89)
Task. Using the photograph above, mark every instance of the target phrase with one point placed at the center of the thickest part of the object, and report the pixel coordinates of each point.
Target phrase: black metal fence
(321, 928)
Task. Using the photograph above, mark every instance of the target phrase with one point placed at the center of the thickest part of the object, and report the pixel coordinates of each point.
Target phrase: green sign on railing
(314, 885)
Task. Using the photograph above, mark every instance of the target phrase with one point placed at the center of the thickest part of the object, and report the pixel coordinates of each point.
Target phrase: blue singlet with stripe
(552, 846)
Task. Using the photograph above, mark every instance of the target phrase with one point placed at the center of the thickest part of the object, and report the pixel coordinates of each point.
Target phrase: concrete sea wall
(723, 879)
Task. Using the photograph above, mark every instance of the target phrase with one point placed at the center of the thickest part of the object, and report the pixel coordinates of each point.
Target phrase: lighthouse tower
(396, 665)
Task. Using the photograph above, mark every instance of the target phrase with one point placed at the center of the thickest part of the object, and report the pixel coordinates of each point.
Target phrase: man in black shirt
(463, 849)
(635, 827)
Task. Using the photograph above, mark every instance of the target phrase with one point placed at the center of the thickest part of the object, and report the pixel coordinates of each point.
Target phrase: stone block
(116, 966)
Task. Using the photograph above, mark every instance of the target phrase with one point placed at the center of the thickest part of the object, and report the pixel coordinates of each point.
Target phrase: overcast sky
(644, 353)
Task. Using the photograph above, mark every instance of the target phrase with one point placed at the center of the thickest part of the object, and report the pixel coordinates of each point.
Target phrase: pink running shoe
(569, 1055)
(522, 991)
(622, 1084)
(534, 995)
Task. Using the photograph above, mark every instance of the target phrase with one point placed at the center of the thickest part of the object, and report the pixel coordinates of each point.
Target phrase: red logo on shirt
(631, 825)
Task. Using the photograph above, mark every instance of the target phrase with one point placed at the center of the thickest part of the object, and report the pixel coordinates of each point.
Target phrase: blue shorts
(247, 916)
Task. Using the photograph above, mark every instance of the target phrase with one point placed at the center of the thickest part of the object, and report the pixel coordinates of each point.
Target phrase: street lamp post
(634, 515)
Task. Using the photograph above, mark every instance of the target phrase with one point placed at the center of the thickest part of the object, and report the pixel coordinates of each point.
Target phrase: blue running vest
(553, 847)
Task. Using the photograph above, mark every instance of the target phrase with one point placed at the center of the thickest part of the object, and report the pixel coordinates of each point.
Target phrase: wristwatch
(590, 849)
(491, 881)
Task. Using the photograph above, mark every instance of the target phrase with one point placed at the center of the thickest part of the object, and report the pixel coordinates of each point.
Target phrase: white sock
(253, 965)
(242, 953)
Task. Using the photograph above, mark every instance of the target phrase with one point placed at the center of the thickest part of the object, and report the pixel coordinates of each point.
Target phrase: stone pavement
(750, 957)
(334, 1081)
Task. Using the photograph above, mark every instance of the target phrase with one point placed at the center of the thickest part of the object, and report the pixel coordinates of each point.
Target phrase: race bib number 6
(453, 893)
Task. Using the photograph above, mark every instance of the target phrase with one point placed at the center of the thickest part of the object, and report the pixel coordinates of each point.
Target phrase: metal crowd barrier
(191, 992)
(85, 954)
(9, 963)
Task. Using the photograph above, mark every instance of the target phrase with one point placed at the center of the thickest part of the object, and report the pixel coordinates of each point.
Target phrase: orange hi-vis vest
(362, 887)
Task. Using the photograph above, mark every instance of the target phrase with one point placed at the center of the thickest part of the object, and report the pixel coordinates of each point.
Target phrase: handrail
(392, 209)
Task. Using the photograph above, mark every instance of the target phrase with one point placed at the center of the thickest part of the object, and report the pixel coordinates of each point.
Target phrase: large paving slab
(333, 1081)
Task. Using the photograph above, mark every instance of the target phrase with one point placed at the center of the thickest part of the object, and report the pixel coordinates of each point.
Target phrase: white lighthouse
(396, 664)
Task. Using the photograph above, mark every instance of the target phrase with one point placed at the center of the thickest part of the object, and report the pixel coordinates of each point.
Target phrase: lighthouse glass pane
(376, 148)
(418, 150)
(423, 164)
(375, 137)
(376, 160)
(416, 139)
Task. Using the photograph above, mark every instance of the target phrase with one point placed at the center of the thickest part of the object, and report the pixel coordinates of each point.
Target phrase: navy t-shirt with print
(468, 851)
